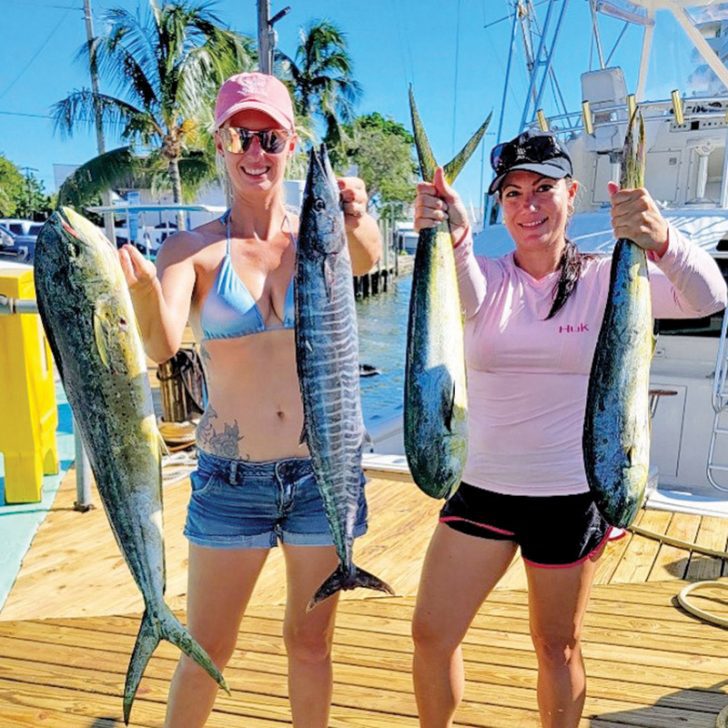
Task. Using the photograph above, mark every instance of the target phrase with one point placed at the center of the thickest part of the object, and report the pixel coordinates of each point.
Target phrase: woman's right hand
(139, 272)
(437, 201)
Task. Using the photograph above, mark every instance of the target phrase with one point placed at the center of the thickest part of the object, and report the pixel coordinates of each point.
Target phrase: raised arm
(689, 283)
(161, 294)
(685, 281)
(436, 202)
(362, 231)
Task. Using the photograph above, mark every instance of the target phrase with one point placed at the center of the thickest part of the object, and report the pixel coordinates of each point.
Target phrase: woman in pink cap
(233, 280)
(531, 324)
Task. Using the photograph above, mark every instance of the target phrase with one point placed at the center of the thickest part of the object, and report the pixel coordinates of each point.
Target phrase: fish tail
(151, 633)
(344, 579)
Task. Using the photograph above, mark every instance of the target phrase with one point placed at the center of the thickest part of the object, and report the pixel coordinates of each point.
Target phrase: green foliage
(34, 203)
(381, 149)
(165, 67)
(12, 186)
(21, 196)
(319, 75)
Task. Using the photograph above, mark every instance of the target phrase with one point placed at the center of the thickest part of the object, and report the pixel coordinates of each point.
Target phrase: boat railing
(720, 407)
(592, 117)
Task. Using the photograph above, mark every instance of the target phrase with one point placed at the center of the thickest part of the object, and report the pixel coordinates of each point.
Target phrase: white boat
(687, 172)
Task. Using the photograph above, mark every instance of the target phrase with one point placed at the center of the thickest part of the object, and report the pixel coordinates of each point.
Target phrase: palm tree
(166, 66)
(321, 76)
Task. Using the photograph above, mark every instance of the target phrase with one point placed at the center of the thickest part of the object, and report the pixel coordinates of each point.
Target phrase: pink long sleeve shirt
(528, 377)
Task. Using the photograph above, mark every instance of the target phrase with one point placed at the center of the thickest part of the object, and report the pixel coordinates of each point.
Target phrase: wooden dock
(67, 630)
(378, 279)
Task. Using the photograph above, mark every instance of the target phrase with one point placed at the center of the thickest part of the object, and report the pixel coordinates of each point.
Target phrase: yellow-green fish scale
(435, 406)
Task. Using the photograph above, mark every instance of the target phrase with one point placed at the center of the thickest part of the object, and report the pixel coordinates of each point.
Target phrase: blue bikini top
(229, 311)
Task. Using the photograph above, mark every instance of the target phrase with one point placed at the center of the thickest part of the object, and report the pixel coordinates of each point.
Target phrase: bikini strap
(225, 220)
(287, 222)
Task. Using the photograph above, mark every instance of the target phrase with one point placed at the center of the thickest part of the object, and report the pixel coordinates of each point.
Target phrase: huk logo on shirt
(569, 329)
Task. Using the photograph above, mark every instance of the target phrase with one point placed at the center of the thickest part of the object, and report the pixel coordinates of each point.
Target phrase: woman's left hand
(354, 200)
(635, 216)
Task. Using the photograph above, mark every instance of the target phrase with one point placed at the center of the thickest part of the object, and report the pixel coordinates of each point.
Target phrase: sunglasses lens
(272, 142)
(529, 148)
(231, 140)
(238, 140)
(496, 157)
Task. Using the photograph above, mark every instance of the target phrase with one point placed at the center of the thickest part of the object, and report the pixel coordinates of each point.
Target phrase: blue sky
(452, 51)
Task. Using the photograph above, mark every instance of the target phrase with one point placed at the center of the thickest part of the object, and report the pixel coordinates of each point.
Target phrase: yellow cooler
(28, 412)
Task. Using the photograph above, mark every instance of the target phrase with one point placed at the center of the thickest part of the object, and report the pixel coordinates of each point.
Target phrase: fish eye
(319, 205)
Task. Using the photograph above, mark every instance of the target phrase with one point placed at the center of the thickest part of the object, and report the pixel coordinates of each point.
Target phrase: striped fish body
(327, 358)
(88, 317)
(616, 439)
(435, 399)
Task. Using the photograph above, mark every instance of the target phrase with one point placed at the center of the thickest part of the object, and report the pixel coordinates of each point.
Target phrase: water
(382, 323)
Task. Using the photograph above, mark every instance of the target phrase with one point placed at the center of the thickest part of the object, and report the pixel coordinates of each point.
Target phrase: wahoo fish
(327, 358)
(435, 398)
(87, 313)
(616, 440)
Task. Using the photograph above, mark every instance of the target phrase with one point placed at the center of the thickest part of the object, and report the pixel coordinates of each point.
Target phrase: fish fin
(328, 278)
(422, 143)
(152, 631)
(146, 642)
(449, 407)
(341, 579)
(100, 335)
(454, 166)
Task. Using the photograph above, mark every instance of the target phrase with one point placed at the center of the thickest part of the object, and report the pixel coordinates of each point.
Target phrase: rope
(670, 541)
(701, 614)
(177, 467)
(722, 720)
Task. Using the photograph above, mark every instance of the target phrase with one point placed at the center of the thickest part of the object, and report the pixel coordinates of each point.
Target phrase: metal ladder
(720, 406)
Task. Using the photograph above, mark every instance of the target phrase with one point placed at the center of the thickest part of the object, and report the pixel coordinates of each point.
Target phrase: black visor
(531, 151)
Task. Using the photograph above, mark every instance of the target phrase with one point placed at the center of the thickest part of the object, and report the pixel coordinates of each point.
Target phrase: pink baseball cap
(257, 91)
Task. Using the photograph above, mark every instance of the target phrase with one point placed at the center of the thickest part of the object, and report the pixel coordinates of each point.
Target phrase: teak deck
(67, 630)
(68, 627)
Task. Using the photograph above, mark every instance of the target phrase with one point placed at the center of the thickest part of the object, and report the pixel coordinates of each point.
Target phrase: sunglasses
(534, 148)
(237, 140)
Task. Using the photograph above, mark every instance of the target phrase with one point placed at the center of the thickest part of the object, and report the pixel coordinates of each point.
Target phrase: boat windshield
(674, 60)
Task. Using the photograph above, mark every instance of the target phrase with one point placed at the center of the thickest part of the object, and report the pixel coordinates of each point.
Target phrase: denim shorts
(552, 531)
(252, 504)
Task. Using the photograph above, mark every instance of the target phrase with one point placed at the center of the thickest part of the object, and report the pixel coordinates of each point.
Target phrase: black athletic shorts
(553, 531)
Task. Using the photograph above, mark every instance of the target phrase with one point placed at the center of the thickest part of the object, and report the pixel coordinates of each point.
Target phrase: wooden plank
(636, 564)
(672, 562)
(638, 685)
(712, 535)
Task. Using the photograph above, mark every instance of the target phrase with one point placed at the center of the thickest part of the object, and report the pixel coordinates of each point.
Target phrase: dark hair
(570, 265)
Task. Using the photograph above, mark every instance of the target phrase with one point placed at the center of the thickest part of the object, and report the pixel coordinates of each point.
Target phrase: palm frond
(127, 56)
(80, 108)
(112, 169)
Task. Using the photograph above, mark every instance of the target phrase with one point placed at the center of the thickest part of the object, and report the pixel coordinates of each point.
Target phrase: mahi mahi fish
(87, 313)
(616, 439)
(327, 357)
(435, 399)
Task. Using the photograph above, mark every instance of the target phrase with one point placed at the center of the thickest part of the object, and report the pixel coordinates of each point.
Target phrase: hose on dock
(682, 596)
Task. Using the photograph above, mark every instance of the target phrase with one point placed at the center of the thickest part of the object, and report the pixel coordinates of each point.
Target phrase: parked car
(7, 239)
(20, 227)
(23, 234)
